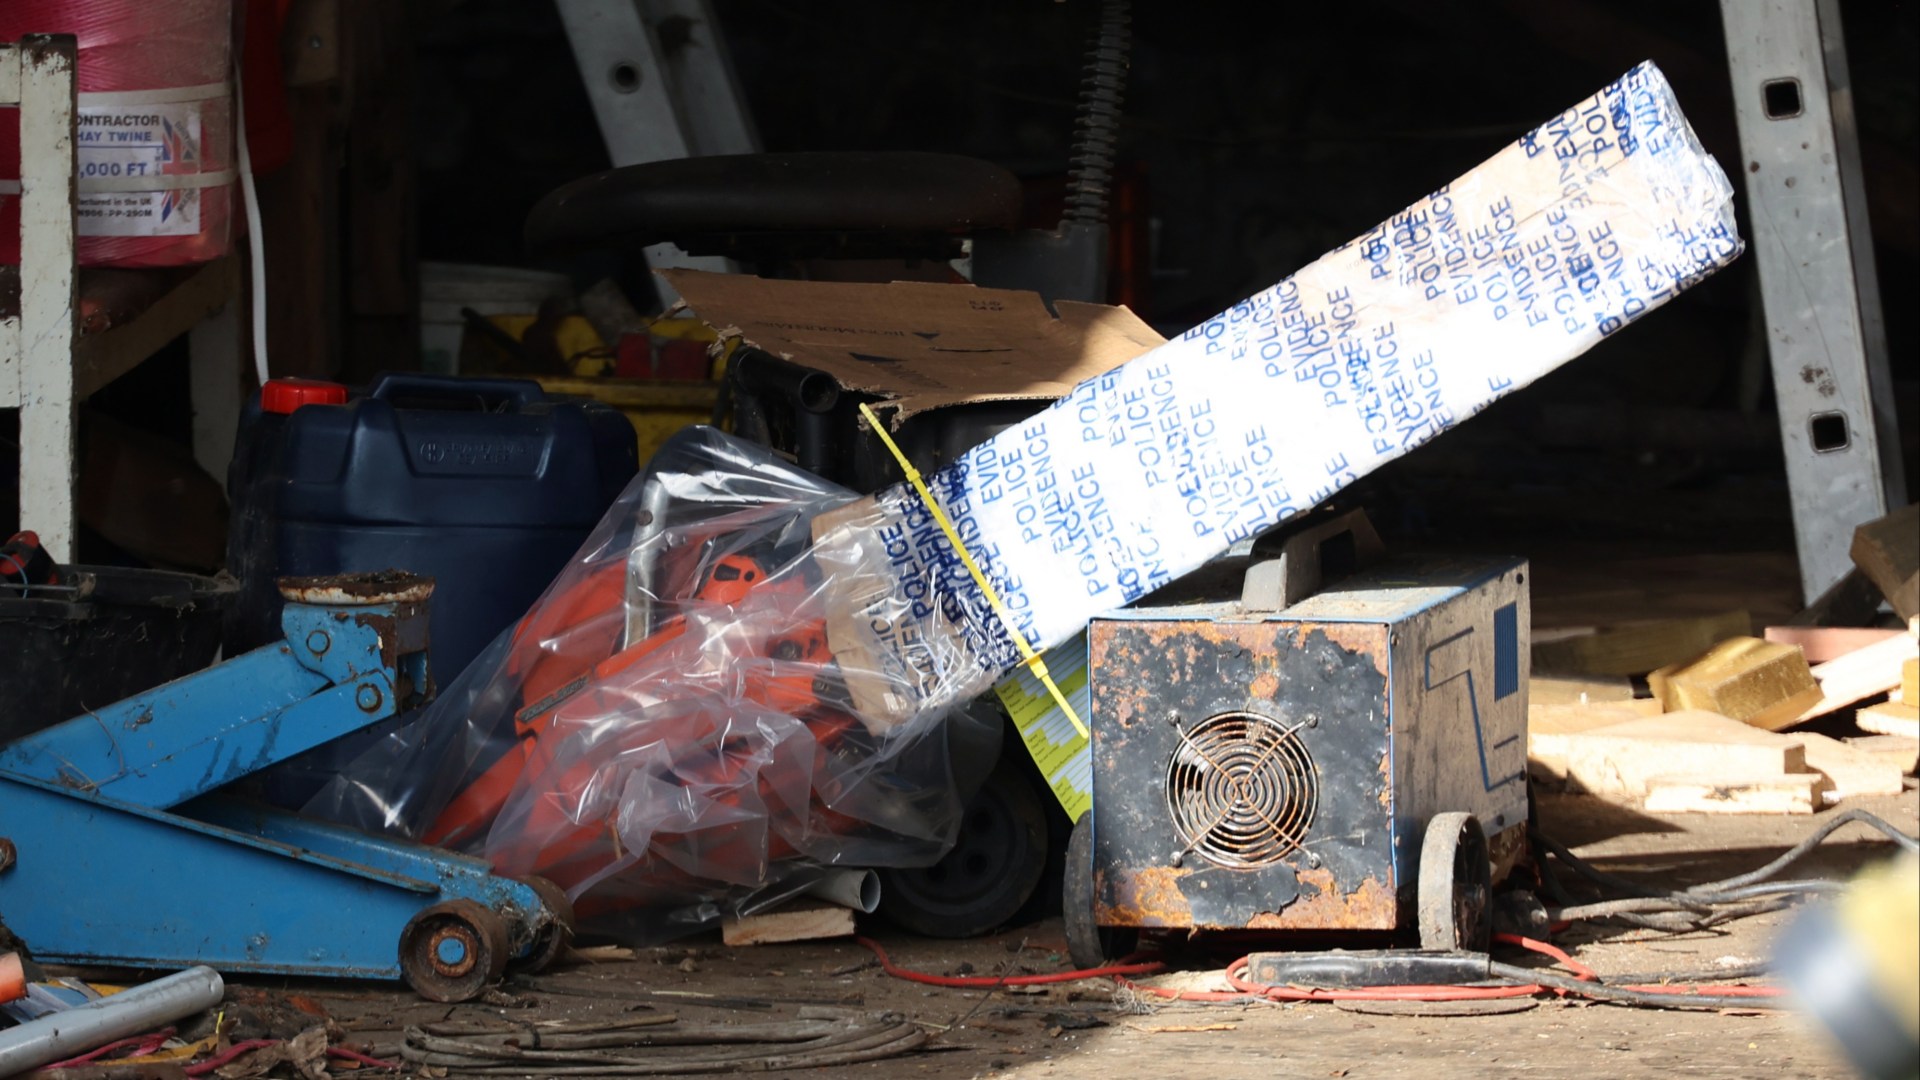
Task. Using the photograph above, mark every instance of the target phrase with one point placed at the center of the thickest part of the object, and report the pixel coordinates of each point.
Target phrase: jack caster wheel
(551, 940)
(1455, 898)
(1089, 944)
(454, 950)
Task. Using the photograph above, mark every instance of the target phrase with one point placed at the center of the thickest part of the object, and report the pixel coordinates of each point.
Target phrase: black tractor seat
(752, 206)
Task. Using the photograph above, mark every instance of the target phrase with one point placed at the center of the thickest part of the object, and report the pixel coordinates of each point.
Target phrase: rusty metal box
(1276, 770)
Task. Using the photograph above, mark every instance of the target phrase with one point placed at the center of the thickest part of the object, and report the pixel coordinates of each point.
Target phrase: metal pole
(64, 1034)
(653, 105)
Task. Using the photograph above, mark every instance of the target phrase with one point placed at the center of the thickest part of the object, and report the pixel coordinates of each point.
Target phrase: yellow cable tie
(1032, 658)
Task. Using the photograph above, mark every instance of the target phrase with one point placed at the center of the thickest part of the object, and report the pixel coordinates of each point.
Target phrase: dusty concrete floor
(1080, 1030)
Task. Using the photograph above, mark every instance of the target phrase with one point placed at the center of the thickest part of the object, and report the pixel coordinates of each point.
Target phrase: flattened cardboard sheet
(921, 344)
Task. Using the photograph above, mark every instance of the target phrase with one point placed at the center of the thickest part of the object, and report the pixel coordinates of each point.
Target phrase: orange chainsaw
(683, 708)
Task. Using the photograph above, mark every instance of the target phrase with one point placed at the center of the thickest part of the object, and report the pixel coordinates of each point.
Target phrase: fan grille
(1242, 790)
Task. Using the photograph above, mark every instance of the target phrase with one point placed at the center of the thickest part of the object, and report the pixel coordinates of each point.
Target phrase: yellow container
(656, 407)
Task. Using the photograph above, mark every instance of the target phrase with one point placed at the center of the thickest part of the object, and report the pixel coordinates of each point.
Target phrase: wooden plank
(1550, 728)
(1620, 759)
(1849, 772)
(1756, 682)
(9, 361)
(1786, 793)
(1888, 552)
(1572, 719)
(9, 73)
(1860, 674)
(1820, 644)
(47, 291)
(217, 376)
(101, 358)
(1638, 647)
(803, 920)
(1890, 718)
(112, 297)
(1576, 690)
(299, 208)
(1897, 751)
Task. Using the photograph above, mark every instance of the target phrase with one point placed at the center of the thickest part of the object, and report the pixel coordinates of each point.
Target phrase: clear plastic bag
(664, 734)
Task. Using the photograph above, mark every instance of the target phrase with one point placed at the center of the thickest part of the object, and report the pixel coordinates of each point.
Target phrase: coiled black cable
(1702, 905)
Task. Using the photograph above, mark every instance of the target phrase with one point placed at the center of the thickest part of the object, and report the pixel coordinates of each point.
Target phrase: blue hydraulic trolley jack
(115, 848)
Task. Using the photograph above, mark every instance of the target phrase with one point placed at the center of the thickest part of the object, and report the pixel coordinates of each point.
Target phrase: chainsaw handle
(643, 561)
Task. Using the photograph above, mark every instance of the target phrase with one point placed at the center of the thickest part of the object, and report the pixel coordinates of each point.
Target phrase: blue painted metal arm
(195, 734)
(130, 744)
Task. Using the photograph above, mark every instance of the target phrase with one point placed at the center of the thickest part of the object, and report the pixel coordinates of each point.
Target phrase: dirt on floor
(1093, 1029)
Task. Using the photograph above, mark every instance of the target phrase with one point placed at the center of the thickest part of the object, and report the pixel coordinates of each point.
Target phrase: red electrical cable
(1246, 991)
(144, 1044)
(1580, 970)
(356, 1056)
(202, 1068)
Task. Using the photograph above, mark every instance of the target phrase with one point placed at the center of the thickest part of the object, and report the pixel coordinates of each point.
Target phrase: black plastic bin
(103, 634)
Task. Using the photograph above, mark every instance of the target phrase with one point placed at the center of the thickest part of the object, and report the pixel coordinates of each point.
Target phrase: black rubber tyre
(993, 868)
(1089, 944)
(1455, 898)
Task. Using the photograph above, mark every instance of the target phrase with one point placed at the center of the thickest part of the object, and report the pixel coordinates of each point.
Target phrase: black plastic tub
(103, 634)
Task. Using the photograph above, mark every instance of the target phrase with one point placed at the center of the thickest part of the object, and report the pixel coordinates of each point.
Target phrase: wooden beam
(380, 258)
(218, 376)
(1901, 753)
(1762, 683)
(1638, 647)
(1860, 675)
(101, 358)
(299, 210)
(311, 42)
(1890, 718)
(48, 291)
(1621, 759)
(1849, 771)
(1553, 729)
(802, 920)
(1888, 552)
(1820, 644)
(1787, 793)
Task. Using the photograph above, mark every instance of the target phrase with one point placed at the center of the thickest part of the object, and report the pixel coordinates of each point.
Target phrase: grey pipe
(75, 1031)
(857, 889)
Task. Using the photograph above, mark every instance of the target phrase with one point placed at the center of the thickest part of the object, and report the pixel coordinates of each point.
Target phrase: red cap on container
(286, 395)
